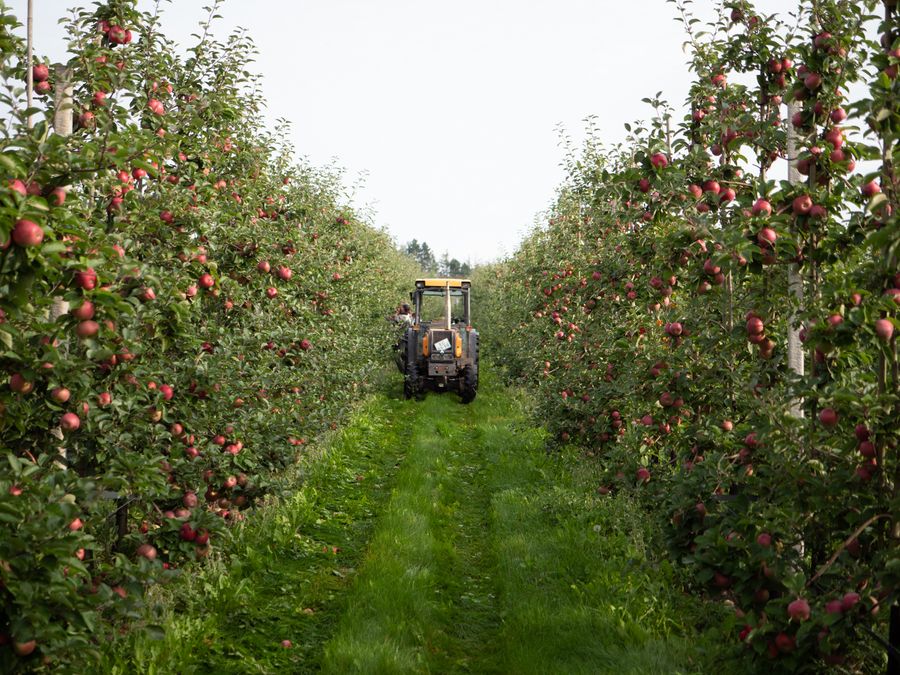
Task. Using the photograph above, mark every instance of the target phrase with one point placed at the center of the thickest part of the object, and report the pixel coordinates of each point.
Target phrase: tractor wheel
(411, 380)
(470, 384)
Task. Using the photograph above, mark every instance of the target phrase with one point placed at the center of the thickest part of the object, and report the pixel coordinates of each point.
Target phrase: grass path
(433, 537)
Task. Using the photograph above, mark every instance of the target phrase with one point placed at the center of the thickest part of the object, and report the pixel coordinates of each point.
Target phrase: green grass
(284, 580)
(463, 547)
(494, 557)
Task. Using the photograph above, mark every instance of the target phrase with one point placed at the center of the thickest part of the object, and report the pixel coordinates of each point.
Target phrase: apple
(190, 500)
(861, 432)
(27, 233)
(76, 525)
(60, 394)
(712, 186)
(833, 607)
(802, 205)
(202, 537)
(764, 539)
(884, 329)
(866, 449)
(849, 601)
(40, 72)
(643, 475)
(766, 236)
(286, 644)
(755, 326)
(187, 532)
(146, 551)
(271, 291)
(156, 107)
(264, 266)
(148, 294)
(18, 186)
(659, 160)
(206, 281)
(69, 422)
(284, 273)
(798, 610)
(104, 399)
(784, 643)
(86, 279)
(761, 207)
(870, 189)
(828, 417)
(19, 384)
(86, 329)
(24, 648)
(812, 81)
(721, 580)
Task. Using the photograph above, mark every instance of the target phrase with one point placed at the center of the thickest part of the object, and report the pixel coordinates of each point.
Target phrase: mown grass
(493, 556)
(462, 546)
(285, 573)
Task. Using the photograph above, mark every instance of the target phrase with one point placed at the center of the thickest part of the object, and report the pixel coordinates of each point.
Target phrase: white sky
(449, 109)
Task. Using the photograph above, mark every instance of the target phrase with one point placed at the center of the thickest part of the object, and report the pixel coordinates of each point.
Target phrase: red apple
(60, 394)
(27, 233)
(870, 189)
(19, 384)
(264, 266)
(86, 279)
(884, 329)
(643, 475)
(104, 399)
(767, 236)
(761, 207)
(659, 160)
(187, 532)
(69, 422)
(146, 551)
(828, 417)
(206, 281)
(802, 205)
(24, 648)
(86, 329)
(156, 107)
(798, 610)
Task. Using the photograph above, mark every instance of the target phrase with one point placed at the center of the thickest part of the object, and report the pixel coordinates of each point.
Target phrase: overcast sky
(448, 110)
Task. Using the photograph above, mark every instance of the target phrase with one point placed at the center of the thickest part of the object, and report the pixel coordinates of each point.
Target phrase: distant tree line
(445, 267)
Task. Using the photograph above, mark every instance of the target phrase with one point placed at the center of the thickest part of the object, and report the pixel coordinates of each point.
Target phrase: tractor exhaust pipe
(447, 305)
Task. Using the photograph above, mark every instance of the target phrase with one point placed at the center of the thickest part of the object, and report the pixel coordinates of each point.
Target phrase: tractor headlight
(458, 350)
(425, 345)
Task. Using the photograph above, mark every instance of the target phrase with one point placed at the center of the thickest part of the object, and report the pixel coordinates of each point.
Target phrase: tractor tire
(470, 384)
(411, 380)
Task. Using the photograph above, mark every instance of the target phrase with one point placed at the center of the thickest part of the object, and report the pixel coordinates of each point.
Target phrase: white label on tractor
(442, 346)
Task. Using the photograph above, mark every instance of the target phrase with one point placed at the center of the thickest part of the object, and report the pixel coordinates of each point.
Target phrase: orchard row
(723, 341)
(182, 306)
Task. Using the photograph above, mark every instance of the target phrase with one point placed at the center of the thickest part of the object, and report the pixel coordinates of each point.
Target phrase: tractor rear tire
(470, 384)
(411, 380)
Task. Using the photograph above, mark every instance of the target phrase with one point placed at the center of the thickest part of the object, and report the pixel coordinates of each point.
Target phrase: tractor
(439, 350)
